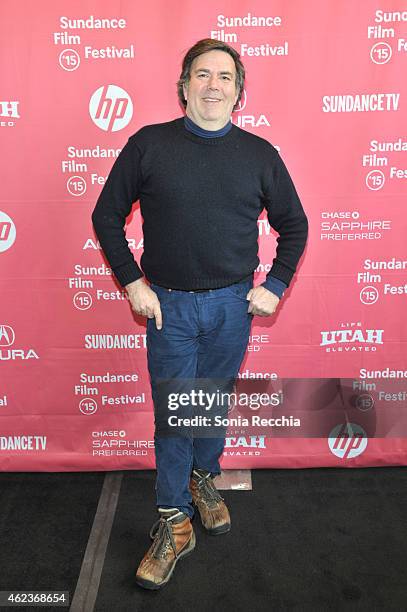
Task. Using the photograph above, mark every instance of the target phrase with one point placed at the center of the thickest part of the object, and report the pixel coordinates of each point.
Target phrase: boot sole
(154, 586)
(215, 530)
(218, 530)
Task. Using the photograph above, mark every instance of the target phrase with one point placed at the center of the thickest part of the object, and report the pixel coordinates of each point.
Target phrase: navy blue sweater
(200, 200)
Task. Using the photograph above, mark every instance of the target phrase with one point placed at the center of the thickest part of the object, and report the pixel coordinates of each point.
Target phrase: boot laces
(161, 531)
(209, 493)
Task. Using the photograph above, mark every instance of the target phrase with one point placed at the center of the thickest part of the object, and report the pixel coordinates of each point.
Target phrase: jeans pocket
(162, 293)
(240, 290)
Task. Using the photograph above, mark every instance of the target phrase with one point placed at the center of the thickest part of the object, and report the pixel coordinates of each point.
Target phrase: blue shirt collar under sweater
(191, 126)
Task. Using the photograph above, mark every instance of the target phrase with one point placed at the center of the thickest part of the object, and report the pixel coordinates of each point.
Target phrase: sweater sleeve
(275, 285)
(113, 206)
(285, 215)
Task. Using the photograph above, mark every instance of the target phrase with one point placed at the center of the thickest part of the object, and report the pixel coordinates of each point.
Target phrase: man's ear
(236, 97)
(185, 90)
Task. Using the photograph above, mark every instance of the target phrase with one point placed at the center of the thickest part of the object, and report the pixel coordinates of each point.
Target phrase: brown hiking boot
(173, 538)
(211, 506)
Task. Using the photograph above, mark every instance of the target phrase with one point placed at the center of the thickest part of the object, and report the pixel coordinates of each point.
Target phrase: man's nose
(213, 82)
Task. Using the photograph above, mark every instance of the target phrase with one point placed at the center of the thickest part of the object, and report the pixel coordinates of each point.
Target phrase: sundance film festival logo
(111, 108)
(7, 232)
(347, 440)
(8, 112)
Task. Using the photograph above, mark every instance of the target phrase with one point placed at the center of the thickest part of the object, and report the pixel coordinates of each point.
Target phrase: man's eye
(226, 78)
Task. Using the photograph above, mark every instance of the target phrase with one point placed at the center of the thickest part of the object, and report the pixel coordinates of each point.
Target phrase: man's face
(211, 91)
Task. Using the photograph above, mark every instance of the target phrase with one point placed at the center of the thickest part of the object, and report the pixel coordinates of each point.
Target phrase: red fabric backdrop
(325, 85)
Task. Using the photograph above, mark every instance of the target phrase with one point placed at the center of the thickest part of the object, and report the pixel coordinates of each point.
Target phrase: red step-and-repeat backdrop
(326, 86)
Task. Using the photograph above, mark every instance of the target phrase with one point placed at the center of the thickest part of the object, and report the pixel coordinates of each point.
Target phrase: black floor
(315, 539)
(321, 539)
(45, 522)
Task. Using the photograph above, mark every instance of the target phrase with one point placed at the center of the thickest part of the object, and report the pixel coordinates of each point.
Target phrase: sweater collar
(191, 126)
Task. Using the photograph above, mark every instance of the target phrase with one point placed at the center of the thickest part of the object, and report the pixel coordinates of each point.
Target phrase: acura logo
(7, 335)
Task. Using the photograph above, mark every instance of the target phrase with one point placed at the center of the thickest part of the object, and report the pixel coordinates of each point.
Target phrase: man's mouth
(211, 100)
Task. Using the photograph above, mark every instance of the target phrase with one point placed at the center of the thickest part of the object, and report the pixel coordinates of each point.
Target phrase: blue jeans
(205, 336)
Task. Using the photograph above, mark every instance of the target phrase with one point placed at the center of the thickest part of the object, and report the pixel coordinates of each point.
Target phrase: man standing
(202, 183)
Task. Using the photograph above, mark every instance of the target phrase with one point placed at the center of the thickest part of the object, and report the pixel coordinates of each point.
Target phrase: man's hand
(262, 301)
(144, 301)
